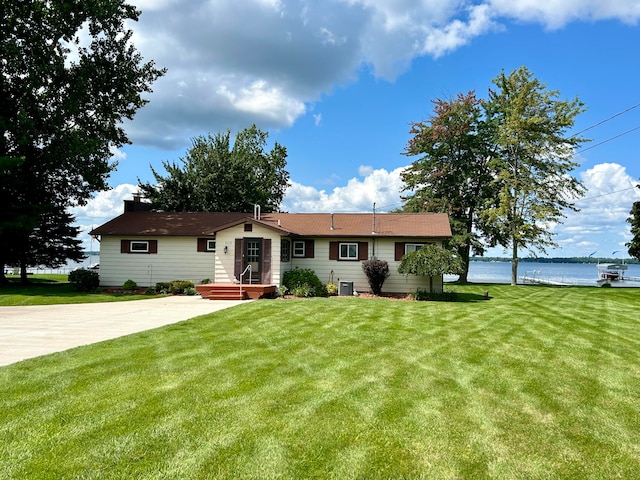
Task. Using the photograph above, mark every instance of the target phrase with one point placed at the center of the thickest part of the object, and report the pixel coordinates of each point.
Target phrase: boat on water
(610, 272)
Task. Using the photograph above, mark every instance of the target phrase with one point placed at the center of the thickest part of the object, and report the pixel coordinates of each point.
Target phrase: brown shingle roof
(422, 225)
(362, 224)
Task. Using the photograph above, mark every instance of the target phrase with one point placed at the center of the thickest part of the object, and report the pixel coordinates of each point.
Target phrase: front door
(252, 256)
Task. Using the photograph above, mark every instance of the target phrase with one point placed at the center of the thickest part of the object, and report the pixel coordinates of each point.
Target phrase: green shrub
(303, 290)
(150, 291)
(205, 281)
(163, 287)
(129, 286)
(305, 282)
(190, 291)
(377, 271)
(84, 280)
(332, 289)
(177, 287)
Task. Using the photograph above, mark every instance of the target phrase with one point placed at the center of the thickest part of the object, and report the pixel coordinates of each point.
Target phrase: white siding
(177, 259)
(351, 271)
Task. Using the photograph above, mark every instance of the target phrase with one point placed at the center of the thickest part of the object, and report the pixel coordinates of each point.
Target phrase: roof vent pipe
(256, 212)
(332, 221)
(373, 228)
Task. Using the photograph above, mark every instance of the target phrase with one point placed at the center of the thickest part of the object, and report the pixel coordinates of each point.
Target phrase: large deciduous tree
(215, 176)
(69, 76)
(532, 162)
(634, 220)
(452, 172)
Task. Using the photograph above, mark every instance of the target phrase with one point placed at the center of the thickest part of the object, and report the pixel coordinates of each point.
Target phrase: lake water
(569, 273)
(480, 272)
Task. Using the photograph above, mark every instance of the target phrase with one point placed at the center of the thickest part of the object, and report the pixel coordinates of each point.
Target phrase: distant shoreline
(593, 260)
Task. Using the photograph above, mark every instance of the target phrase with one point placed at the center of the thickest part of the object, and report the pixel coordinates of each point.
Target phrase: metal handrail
(242, 275)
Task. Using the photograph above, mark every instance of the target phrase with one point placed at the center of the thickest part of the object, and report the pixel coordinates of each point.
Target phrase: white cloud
(554, 14)
(100, 209)
(442, 40)
(231, 63)
(601, 222)
(376, 186)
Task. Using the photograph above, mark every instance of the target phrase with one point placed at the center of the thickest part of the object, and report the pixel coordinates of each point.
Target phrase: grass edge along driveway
(537, 382)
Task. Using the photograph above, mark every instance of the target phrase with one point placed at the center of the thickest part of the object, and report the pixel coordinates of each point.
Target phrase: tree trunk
(3, 278)
(464, 256)
(514, 264)
(430, 283)
(24, 279)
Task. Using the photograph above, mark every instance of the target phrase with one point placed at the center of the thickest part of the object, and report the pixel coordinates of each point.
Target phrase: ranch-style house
(239, 248)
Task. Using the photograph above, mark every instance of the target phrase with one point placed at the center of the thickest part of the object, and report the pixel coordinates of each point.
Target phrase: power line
(605, 194)
(607, 119)
(608, 140)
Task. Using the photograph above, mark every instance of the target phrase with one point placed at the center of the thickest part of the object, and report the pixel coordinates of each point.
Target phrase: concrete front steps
(231, 291)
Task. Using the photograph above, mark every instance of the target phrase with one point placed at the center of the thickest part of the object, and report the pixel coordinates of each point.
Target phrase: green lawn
(535, 383)
(53, 289)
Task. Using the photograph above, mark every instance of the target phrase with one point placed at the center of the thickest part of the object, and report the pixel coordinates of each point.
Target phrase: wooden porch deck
(235, 291)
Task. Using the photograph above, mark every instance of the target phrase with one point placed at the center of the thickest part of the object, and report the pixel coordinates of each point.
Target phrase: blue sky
(338, 82)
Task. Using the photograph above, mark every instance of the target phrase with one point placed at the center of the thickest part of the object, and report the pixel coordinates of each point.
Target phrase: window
(298, 249)
(207, 244)
(348, 251)
(248, 227)
(138, 246)
(285, 250)
(412, 247)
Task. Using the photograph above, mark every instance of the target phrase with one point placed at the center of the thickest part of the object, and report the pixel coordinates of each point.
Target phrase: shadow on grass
(38, 287)
(471, 297)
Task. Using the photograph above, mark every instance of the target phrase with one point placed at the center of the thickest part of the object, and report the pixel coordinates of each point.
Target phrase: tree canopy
(215, 176)
(500, 167)
(452, 172)
(534, 156)
(69, 77)
(634, 220)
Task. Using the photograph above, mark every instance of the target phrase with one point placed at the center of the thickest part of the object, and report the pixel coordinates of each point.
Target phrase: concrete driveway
(31, 331)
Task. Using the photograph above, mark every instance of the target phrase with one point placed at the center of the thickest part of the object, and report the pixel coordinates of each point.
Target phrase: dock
(533, 277)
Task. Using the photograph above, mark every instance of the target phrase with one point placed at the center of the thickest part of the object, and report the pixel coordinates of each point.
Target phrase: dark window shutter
(237, 266)
(308, 249)
(334, 248)
(363, 250)
(399, 251)
(153, 246)
(124, 246)
(266, 261)
(202, 244)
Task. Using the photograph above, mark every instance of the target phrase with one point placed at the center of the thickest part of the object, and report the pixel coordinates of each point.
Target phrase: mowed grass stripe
(537, 382)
